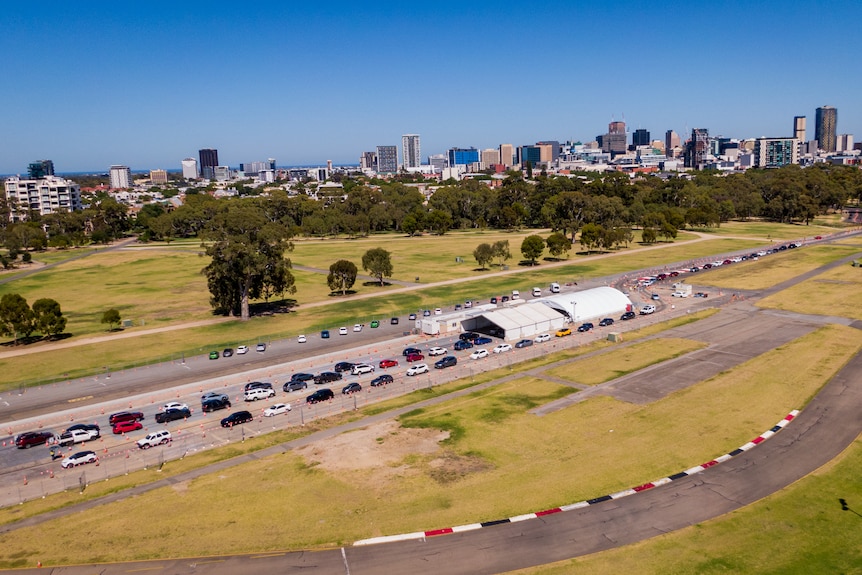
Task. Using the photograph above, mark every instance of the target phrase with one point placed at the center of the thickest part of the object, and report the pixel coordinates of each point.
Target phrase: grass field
(774, 231)
(832, 293)
(493, 444)
(598, 369)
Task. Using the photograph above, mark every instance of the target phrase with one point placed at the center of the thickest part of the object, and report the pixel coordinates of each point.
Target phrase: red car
(127, 426)
(384, 363)
(125, 416)
(31, 438)
(415, 357)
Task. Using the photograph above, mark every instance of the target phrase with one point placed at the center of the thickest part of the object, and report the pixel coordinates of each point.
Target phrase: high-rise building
(40, 169)
(825, 127)
(368, 161)
(697, 148)
(209, 161)
(387, 159)
(799, 128)
(46, 195)
(617, 128)
(410, 152)
(437, 162)
(159, 177)
(551, 150)
(462, 156)
(490, 157)
(190, 169)
(532, 154)
(613, 142)
(671, 141)
(775, 152)
(507, 154)
(844, 143)
(121, 177)
(640, 137)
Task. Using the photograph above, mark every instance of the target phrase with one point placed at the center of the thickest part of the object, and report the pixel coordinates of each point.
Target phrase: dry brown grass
(832, 293)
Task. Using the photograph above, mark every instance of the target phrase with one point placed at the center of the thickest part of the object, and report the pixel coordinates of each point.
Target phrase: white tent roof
(589, 304)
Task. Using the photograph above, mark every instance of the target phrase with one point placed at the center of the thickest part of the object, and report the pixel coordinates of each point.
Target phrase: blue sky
(146, 84)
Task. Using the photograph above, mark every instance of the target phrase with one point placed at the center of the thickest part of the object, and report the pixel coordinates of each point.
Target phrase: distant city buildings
(462, 156)
(844, 143)
(410, 151)
(507, 155)
(40, 169)
(368, 161)
(640, 137)
(775, 152)
(825, 128)
(190, 169)
(253, 169)
(697, 148)
(615, 141)
(46, 195)
(159, 177)
(121, 177)
(799, 128)
(387, 159)
(208, 162)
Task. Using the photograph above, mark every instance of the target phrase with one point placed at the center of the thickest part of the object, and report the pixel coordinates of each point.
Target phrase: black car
(258, 385)
(382, 380)
(172, 415)
(31, 438)
(84, 427)
(327, 377)
(294, 385)
(343, 366)
(320, 395)
(236, 418)
(410, 351)
(227, 352)
(607, 321)
(468, 336)
(524, 343)
(324, 334)
(412, 316)
(394, 321)
(214, 404)
(628, 315)
(587, 326)
(447, 361)
(351, 388)
(461, 345)
(493, 300)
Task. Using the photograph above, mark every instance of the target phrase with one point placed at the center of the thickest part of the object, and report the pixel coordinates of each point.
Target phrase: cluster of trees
(342, 274)
(19, 320)
(532, 248)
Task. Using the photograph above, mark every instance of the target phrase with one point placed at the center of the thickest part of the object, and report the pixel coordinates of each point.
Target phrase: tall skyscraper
(825, 127)
(462, 156)
(410, 152)
(190, 169)
(640, 137)
(671, 141)
(799, 128)
(507, 154)
(387, 159)
(368, 161)
(844, 143)
(40, 169)
(490, 157)
(617, 128)
(121, 177)
(209, 161)
(698, 148)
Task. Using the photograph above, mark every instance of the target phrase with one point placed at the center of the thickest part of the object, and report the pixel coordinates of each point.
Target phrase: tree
(247, 252)
(378, 262)
(532, 247)
(501, 251)
(439, 222)
(112, 318)
(48, 318)
(342, 276)
(483, 254)
(648, 236)
(16, 317)
(558, 244)
(410, 225)
(591, 235)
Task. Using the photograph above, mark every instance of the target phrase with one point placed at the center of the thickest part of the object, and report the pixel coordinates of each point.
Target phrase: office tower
(799, 128)
(532, 154)
(551, 150)
(46, 195)
(437, 162)
(40, 169)
(368, 161)
(121, 177)
(490, 157)
(159, 177)
(844, 143)
(387, 159)
(825, 125)
(640, 137)
(190, 169)
(221, 173)
(697, 148)
(775, 152)
(617, 128)
(613, 142)
(410, 152)
(507, 154)
(671, 141)
(208, 162)
(462, 156)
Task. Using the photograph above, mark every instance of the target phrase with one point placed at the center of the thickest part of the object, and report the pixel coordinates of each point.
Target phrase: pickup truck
(77, 436)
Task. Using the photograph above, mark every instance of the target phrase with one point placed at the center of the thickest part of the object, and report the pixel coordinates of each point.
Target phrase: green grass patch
(833, 293)
(601, 368)
(763, 230)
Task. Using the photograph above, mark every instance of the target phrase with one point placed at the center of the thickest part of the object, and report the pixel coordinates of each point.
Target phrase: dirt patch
(381, 445)
(451, 467)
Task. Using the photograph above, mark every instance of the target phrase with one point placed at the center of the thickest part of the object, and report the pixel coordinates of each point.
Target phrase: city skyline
(305, 105)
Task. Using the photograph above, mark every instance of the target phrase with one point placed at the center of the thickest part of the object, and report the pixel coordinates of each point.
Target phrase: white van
(555, 288)
(516, 294)
(537, 292)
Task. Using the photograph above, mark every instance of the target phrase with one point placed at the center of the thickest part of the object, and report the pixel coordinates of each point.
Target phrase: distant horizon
(174, 171)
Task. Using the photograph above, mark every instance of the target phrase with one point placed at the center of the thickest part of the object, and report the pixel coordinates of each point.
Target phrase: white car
(242, 350)
(679, 294)
(174, 405)
(417, 369)
(358, 327)
(259, 393)
(543, 337)
(161, 437)
(503, 347)
(301, 339)
(717, 263)
(342, 331)
(438, 311)
(276, 409)
(647, 309)
(437, 351)
(479, 354)
(361, 368)
(79, 458)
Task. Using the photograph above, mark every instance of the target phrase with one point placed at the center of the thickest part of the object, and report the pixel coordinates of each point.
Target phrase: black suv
(343, 366)
(302, 377)
(172, 414)
(215, 404)
(320, 395)
(447, 361)
(628, 315)
(294, 385)
(587, 326)
(327, 377)
(236, 418)
(258, 385)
